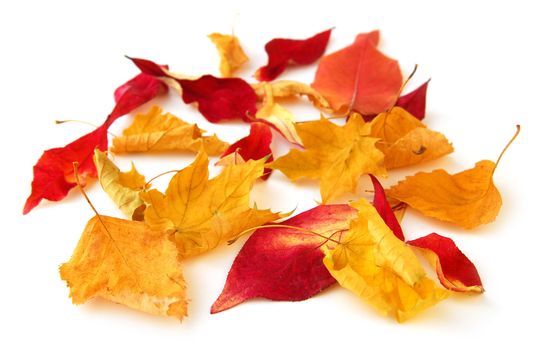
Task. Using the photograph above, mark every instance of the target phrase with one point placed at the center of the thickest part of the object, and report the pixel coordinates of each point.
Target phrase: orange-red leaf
(285, 263)
(359, 77)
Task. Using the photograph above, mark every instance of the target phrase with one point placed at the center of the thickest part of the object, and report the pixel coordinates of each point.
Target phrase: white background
(63, 61)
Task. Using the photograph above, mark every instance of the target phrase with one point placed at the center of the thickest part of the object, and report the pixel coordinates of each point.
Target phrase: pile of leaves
(136, 260)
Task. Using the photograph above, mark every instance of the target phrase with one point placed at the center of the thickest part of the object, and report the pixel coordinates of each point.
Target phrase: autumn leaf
(379, 268)
(231, 54)
(359, 77)
(155, 131)
(289, 88)
(218, 98)
(128, 263)
(405, 140)
(122, 187)
(336, 155)
(415, 101)
(285, 262)
(202, 213)
(257, 145)
(455, 271)
(282, 52)
(137, 91)
(384, 209)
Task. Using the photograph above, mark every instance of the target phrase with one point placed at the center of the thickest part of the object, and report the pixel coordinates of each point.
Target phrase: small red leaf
(137, 91)
(385, 210)
(455, 271)
(284, 263)
(254, 146)
(281, 52)
(415, 101)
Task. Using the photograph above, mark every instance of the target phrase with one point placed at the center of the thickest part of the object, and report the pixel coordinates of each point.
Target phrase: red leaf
(283, 263)
(283, 51)
(455, 271)
(385, 210)
(415, 101)
(359, 77)
(218, 98)
(254, 146)
(137, 91)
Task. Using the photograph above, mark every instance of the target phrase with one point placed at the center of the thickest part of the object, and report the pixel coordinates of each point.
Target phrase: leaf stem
(284, 226)
(508, 145)
(161, 174)
(79, 121)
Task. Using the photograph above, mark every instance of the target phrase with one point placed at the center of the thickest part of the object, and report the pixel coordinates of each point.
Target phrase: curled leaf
(290, 88)
(155, 131)
(231, 54)
(128, 263)
(415, 101)
(281, 52)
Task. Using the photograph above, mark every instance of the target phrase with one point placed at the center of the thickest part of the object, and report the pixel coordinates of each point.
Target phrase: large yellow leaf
(231, 54)
(405, 140)
(128, 263)
(467, 199)
(337, 155)
(123, 188)
(155, 131)
(202, 213)
(378, 267)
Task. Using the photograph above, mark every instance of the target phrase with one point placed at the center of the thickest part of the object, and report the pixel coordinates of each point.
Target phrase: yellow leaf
(128, 263)
(290, 88)
(203, 213)
(467, 199)
(378, 267)
(123, 188)
(405, 140)
(337, 155)
(155, 131)
(231, 54)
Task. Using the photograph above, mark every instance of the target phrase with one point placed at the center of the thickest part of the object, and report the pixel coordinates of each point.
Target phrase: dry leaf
(123, 188)
(128, 263)
(337, 155)
(202, 213)
(405, 140)
(231, 54)
(155, 131)
(378, 267)
(290, 88)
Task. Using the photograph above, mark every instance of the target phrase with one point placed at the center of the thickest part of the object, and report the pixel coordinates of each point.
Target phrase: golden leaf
(337, 155)
(231, 54)
(128, 263)
(155, 131)
(290, 88)
(202, 213)
(378, 267)
(405, 140)
(123, 188)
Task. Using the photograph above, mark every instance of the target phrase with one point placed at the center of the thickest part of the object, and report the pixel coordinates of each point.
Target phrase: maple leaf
(359, 77)
(128, 263)
(455, 271)
(231, 54)
(337, 155)
(257, 145)
(123, 188)
(415, 101)
(218, 98)
(53, 172)
(290, 88)
(155, 131)
(405, 140)
(285, 262)
(376, 266)
(202, 213)
(281, 52)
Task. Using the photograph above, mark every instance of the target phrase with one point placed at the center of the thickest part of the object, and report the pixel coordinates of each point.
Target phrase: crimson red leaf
(254, 146)
(415, 101)
(218, 98)
(455, 271)
(137, 91)
(385, 210)
(284, 263)
(280, 52)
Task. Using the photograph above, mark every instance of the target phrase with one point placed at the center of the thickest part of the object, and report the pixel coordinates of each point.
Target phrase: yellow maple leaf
(231, 54)
(202, 213)
(376, 266)
(123, 188)
(337, 155)
(155, 131)
(128, 263)
(405, 140)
